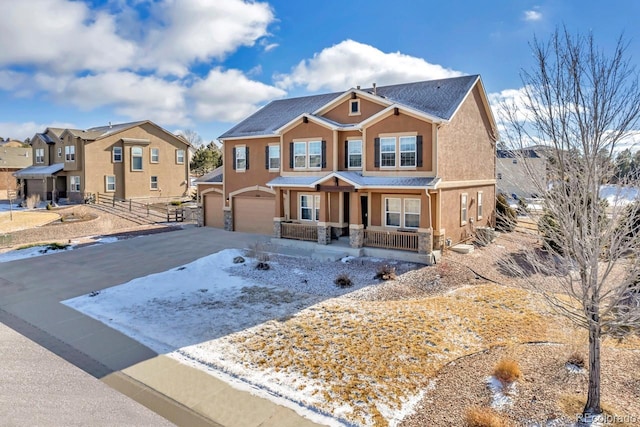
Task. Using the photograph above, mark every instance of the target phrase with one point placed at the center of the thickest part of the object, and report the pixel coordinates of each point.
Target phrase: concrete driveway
(30, 295)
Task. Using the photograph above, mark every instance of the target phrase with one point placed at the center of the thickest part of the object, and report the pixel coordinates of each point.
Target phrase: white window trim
(403, 211)
(306, 152)
(69, 150)
(40, 156)
(351, 112)
(315, 207)
(272, 157)
(141, 159)
(319, 142)
(414, 151)
(464, 208)
(239, 149)
(106, 183)
(151, 150)
(178, 161)
(113, 154)
(395, 152)
(480, 207)
(59, 152)
(349, 141)
(72, 186)
(157, 187)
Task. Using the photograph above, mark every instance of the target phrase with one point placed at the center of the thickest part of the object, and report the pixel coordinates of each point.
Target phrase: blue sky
(205, 64)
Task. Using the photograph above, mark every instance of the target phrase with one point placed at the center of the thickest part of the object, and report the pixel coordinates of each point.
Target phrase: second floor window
(273, 157)
(155, 155)
(398, 152)
(315, 154)
(136, 158)
(180, 156)
(308, 155)
(240, 155)
(59, 151)
(354, 154)
(388, 152)
(39, 155)
(70, 153)
(117, 154)
(407, 151)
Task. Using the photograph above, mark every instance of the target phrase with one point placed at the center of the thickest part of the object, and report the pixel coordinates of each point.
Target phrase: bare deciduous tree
(192, 137)
(580, 103)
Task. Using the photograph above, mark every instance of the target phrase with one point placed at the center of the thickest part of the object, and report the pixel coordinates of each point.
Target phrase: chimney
(375, 92)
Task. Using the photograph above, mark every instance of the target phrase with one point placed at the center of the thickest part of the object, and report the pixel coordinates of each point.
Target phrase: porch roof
(358, 181)
(38, 172)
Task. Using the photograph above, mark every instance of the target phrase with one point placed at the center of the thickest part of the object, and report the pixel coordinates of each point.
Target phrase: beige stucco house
(407, 166)
(138, 160)
(13, 157)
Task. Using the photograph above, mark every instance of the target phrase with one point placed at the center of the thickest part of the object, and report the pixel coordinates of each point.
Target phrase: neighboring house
(127, 161)
(13, 157)
(407, 166)
(518, 171)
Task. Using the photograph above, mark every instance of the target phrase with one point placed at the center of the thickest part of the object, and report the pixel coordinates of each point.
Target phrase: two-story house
(408, 166)
(127, 161)
(13, 157)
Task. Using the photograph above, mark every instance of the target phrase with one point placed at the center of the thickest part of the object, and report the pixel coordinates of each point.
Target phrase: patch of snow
(31, 252)
(347, 259)
(4, 207)
(500, 394)
(574, 369)
(106, 240)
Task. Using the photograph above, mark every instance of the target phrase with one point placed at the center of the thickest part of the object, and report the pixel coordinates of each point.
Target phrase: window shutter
(376, 152)
(324, 154)
(246, 155)
(266, 157)
(419, 151)
(346, 154)
(291, 155)
(234, 158)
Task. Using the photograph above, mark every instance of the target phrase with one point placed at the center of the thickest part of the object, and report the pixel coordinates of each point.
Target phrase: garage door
(254, 214)
(213, 214)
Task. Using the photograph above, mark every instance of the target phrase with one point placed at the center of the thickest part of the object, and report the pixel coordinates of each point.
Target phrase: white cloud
(25, 130)
(132, 95)
(349, 64)
(229, 96)
(532, 15)
(61, 35)
(200, 30)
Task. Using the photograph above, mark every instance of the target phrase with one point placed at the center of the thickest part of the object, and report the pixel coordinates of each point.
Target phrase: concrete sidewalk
(30, 295)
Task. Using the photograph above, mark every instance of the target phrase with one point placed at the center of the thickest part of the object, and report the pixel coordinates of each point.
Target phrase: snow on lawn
(619, 196)
(291, 334)
(34, 251)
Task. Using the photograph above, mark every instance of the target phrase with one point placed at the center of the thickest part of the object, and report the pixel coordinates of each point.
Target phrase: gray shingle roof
(439, 98)
(359, 180)
(39, 171)
(213, 177)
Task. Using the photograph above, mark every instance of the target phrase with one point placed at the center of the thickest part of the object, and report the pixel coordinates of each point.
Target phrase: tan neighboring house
(13, 157)
(138, 160)
(518, 172)
(407, 166)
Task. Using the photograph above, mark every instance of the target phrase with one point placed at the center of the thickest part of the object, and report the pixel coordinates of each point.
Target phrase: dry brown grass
(484, 417)
(572, 405)
(23, 220)
(507, 371)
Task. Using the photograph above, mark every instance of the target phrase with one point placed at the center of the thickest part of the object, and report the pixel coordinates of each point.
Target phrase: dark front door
(364, 206)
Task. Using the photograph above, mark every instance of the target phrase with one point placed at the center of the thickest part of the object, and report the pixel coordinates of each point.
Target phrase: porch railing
(299, 231)
(402, 240)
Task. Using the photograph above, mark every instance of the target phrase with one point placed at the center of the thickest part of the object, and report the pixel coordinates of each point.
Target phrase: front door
(364, 208)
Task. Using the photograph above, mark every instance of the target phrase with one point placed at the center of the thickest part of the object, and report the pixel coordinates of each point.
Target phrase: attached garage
(213, 214)
(254, 214)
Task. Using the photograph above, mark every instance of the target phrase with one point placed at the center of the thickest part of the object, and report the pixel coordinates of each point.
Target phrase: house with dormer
(137, 160)
(408, 166)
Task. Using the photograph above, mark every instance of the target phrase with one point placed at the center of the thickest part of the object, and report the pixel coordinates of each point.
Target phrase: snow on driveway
(35, 251)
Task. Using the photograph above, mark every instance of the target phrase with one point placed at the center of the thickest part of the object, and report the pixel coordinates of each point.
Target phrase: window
(392, 209)
(241, 158)
(411, 213)
(315, 154)
(74, 184)
(39, 155)
(354, 150)
(309, 207)
(180, 156)
(155, 155)
(515, 161)
(117, 154)
(70, 153)
(136, 158)
(354, 107)
(479, 204)
(154, 183)
(463, 208)
(299, 155)
(388, 152)
(407, 151)
(59, 151)
(110, 183)
(273, 157)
